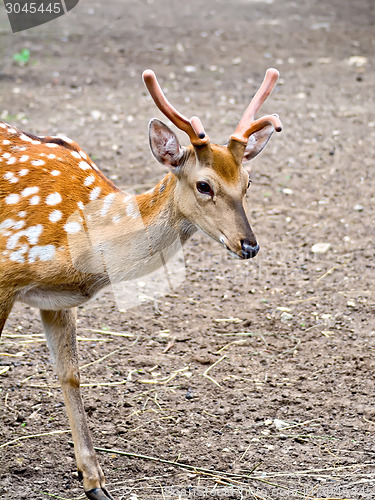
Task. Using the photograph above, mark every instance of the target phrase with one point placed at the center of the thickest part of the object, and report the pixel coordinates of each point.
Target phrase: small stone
(96, 115)
(280, 424)
(320, 247)
(326, 316)
(188, 395)
(357, 61)
(286, 316)
(358, 207)
(269, 447)
(287, 191)
(190, 69)
(324, 60)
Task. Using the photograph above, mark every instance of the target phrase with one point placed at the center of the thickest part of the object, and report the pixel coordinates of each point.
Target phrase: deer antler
(248, 125)
(192, 127)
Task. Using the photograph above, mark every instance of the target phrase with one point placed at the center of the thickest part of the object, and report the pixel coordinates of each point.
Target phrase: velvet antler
(192, 127)
(248, 125)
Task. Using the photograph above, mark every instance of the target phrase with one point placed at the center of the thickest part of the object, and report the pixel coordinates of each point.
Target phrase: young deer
(66, 231)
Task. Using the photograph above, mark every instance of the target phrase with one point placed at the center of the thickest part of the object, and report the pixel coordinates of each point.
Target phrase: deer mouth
(222, 240)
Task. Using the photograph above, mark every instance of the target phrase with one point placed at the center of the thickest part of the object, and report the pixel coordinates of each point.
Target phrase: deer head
(211, 179)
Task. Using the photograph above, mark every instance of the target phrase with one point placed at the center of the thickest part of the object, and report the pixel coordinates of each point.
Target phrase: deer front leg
(6, 304)
(60, 329)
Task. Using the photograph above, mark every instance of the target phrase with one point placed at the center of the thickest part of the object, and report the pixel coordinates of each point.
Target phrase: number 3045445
(33, 8)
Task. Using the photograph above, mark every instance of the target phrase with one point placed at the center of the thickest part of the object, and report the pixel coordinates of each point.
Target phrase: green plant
(22, 57)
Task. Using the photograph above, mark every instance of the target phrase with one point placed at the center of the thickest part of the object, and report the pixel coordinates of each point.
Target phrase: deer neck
(135, 235)
(160, 215)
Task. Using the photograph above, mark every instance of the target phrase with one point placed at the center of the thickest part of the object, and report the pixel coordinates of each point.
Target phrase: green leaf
(22, 57)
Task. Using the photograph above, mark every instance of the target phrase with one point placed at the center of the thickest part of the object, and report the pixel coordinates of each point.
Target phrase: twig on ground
(205, 373)
(241, 341)
(164, 380)
(153, 420)
(18, 355)
(30, 436)
(169, 345)
(107, 332)
(333, 269)
(102, 358)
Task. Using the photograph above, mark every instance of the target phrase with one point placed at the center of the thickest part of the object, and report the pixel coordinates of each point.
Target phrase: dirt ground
(260, 373)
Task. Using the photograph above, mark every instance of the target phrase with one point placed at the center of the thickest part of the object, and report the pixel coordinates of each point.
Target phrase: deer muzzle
(248, 249)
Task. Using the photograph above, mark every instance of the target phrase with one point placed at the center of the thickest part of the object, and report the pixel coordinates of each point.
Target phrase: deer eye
(204, 188)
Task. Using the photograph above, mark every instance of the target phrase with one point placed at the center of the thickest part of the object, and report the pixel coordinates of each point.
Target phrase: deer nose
(248, 250)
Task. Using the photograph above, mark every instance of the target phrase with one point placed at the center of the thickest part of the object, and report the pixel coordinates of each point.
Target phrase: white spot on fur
(95, 193)
(7, 224)
(51, 145)
(29, 191)
(107, 202)
(34, 200)
(12, 160)
(5, 141)
(64, 138)
(7, 155)
(131, 210)
(116, 219)
(38, 163)
(18, 225)
(84, 165)
(8, 175)
(51, 156)
(33, 233)
(55, 173)
(24, 158)
(17, 257)
(23, 172)
(81, 205)
(25, 138)
(89, 180)
(55, 215)
(43, 253)
(72, 227)
(21, 214)
(11, 199)
(83, 154)
(75, 154)
(13, 240)
(53, 199)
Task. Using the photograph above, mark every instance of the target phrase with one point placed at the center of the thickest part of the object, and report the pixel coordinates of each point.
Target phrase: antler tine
(246, 125)
(192, 127)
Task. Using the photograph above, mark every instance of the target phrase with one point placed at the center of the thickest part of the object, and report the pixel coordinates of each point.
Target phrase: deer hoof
(99, 494)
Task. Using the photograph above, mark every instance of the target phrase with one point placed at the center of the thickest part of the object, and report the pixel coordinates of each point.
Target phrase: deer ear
(164, 144)
(257, 141)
